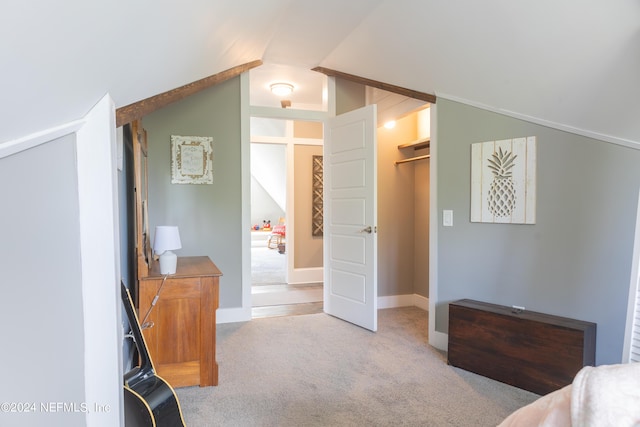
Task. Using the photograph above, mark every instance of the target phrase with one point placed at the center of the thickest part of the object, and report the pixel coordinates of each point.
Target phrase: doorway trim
(437, 339)
(632, 329)
(243, 313)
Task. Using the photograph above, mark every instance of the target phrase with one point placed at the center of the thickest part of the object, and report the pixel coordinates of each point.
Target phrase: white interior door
(350, 214)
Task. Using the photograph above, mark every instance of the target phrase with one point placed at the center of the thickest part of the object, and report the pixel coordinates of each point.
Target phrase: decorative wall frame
(503, 181)
(317, 220)
(191, 160)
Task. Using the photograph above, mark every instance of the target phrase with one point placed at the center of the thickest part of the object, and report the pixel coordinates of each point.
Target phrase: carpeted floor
(268, 277)
(267, 265)
(316, 370)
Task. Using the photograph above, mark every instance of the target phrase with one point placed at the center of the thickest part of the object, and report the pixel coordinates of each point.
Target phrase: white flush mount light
(281, 89)
(390, 124)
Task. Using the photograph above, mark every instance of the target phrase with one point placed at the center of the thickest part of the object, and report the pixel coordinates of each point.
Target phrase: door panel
(349, 285)
(349, 135)
(348, 249)
(349, 174)
(350, 212)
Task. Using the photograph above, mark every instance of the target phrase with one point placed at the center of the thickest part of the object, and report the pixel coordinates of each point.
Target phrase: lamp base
(168, 262)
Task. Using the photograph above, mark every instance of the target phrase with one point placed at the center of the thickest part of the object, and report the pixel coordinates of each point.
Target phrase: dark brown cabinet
(533, 351)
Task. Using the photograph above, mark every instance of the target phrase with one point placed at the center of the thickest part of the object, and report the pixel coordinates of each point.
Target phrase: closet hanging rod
(413, 159)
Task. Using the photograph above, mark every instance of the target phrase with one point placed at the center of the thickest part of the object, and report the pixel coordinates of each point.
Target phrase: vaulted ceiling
(574, 64)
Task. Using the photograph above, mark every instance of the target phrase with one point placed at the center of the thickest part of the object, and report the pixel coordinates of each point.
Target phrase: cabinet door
(176, 340)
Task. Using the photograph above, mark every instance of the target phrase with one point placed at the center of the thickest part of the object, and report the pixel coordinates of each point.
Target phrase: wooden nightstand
(182, 340)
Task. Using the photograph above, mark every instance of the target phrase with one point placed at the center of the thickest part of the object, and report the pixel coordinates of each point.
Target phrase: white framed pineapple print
(503, 181)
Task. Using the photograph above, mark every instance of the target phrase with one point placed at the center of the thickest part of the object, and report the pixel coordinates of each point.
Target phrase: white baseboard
(299, 276)
(408, 300)
(439, 340)
(421, 302)
(233, 314)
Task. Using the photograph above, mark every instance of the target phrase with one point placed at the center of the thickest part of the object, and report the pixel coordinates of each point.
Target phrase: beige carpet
(316, 370)
(267, 265)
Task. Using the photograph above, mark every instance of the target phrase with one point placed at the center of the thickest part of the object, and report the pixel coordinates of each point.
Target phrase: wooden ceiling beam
(427, 97)
(139, 109)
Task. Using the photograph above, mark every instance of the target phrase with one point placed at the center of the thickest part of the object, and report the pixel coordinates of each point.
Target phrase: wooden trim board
(379, 85)
(139, 109)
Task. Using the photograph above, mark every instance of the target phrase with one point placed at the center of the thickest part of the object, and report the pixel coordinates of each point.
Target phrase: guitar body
(148, 399)
(137, 412)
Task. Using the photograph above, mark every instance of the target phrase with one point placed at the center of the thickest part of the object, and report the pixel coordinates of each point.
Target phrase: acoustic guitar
(148, 399)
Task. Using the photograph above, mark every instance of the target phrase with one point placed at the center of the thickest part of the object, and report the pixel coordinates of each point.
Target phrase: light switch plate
(447, 218)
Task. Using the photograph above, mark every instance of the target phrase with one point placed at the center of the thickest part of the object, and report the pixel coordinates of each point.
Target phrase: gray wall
(349, 96)
(41, 309)
(575, 261)
(209, 216)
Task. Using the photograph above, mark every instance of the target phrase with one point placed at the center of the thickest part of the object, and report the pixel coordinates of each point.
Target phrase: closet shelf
(413, 159)
(416, 145)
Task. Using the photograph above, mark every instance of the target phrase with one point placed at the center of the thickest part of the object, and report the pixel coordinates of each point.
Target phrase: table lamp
(167, 239)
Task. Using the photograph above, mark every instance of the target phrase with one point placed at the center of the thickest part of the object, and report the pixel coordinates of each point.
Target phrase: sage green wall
(349, 96)
(209, 216)
(575, 261)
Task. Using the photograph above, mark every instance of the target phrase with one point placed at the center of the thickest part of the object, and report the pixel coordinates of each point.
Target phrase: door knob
(367, 230)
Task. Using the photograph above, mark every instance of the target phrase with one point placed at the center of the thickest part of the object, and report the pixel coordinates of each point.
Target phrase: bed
(607, 395)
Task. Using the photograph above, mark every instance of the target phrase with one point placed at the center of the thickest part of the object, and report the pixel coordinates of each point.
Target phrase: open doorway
(268, 214)
(293, 119)
(403, 243)
(278, 187)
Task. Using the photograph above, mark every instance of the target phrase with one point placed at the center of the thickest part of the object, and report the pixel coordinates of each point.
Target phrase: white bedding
(607, 395)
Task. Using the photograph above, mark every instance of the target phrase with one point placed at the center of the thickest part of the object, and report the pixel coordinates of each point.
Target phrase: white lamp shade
(167, 239)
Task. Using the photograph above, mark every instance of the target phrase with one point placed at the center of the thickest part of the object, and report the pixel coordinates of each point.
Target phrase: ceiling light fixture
(390, 124)
(281, 89)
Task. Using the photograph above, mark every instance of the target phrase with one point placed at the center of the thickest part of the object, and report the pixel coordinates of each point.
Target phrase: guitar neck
(146, 364)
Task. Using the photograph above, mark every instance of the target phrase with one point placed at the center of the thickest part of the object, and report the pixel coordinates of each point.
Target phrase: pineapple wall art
(503, 181)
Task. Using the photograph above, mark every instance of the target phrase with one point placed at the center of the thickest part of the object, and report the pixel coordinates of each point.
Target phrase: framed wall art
(503, 181)
(317, 219)
(191, 160)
